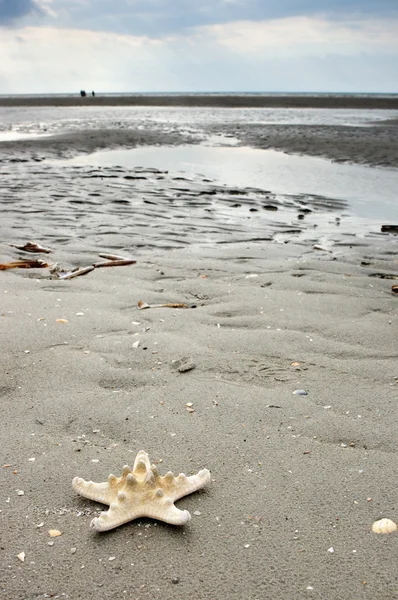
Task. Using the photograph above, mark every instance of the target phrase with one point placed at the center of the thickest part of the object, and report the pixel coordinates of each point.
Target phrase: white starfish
(141, 492)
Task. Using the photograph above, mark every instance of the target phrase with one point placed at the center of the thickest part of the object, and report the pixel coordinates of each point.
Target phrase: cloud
(305, 36)
(295, 54)
(10, 10)
(157, 18)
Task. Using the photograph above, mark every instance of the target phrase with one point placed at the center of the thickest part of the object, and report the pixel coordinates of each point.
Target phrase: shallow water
(13, 135)
(63, 119)
(369, 192)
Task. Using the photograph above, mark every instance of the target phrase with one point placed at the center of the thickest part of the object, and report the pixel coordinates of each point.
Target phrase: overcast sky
(56, 46)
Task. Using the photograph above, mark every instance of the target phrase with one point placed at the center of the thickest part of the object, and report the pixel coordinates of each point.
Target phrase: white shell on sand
(384, 526)
(141, 492)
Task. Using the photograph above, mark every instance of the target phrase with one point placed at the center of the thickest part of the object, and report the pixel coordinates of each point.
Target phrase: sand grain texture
(293, 476)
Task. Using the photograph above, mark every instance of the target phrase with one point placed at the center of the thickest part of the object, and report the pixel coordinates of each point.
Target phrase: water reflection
(369, 191)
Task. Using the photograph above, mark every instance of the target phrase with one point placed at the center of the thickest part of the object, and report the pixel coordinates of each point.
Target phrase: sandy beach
(89, 379)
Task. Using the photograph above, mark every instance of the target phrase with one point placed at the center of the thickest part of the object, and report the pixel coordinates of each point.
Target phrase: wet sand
(219, 100)
(372, 145)
(296, 480)
(376, 146)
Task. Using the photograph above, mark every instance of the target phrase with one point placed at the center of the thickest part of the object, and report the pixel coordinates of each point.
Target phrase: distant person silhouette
(93, 93)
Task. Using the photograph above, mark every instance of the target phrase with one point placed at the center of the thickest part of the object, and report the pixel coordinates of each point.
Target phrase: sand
(374, 145)
(215, 100)
(297, 481)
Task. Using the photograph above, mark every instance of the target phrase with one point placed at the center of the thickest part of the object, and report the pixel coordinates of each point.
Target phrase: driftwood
(24, 264)
(112, 260)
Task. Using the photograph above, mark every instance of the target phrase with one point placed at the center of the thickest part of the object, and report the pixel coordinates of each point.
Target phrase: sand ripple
(135, 208)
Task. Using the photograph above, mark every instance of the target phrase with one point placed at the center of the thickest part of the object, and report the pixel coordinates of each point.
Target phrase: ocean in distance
(219, 94)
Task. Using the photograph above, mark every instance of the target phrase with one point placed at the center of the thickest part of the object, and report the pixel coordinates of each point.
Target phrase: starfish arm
(168, 513)
(118, 514)
(182, 485)
(122, 510)
(100, 492)
(141, 463)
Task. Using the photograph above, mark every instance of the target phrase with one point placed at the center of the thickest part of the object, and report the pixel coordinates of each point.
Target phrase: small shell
(112, 257)
(54, 532)
(384, 526)
(142, 305)
(32, 247)
(319, 247)
(21, 556)
(76, 273)
(120, 262)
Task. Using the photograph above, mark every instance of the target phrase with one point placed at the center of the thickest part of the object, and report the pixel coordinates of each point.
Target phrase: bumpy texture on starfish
(141, 492)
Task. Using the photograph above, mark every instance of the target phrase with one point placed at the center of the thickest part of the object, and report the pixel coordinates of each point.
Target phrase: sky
(63, 46)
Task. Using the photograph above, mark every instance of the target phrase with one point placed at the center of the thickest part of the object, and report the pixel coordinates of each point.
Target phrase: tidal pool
(370, 192)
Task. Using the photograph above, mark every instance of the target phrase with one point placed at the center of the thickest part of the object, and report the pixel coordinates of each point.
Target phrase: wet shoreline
(373, 145)
(209, 100)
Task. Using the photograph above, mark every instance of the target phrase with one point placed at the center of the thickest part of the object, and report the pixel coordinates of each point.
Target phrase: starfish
(141, 492)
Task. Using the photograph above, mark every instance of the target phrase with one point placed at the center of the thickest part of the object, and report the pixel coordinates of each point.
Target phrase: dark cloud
(10, 10)
(161, 17)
